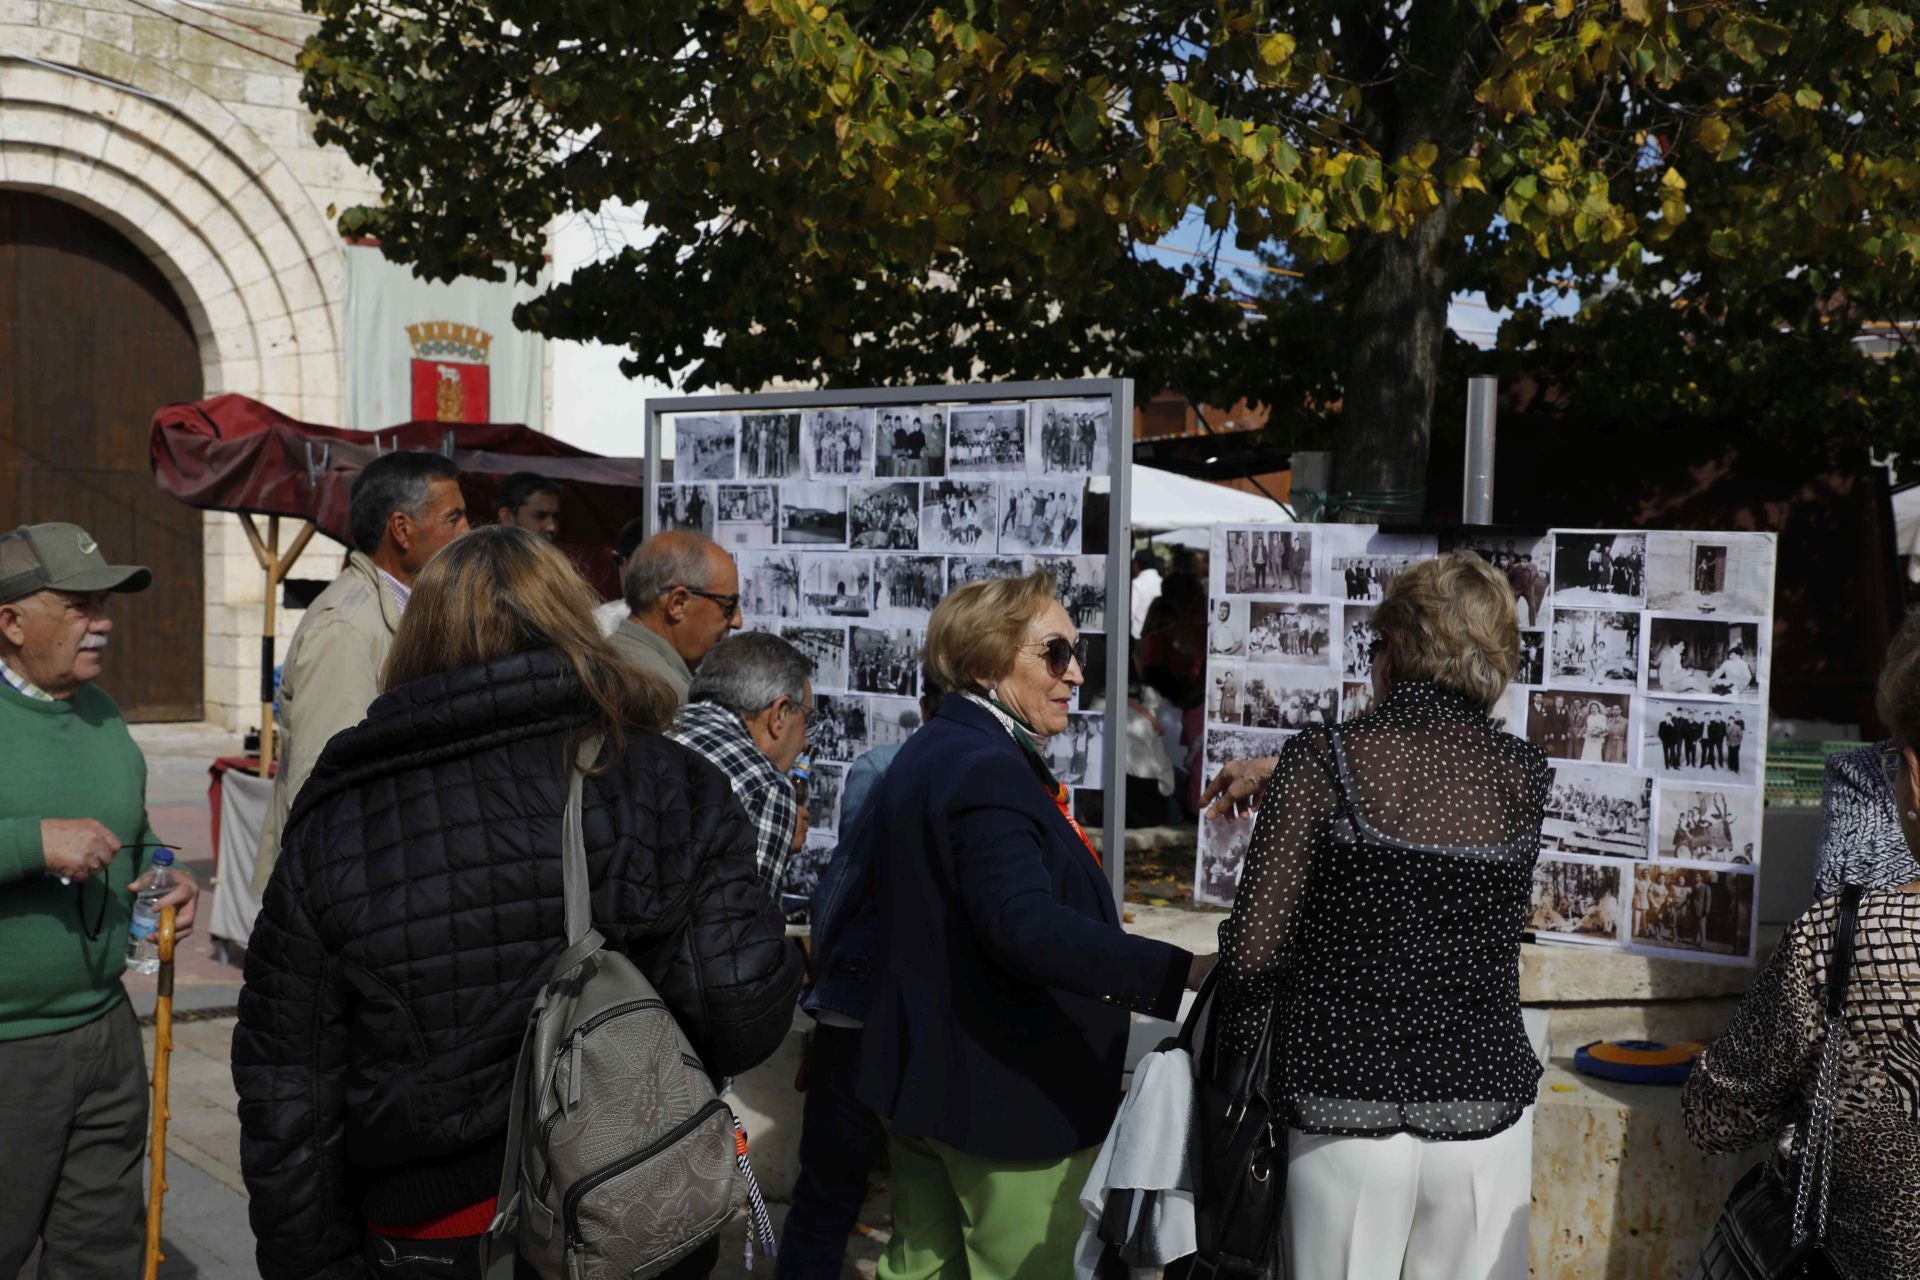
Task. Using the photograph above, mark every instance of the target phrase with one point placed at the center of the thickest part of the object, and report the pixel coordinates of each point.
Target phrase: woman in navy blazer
(997, 1037)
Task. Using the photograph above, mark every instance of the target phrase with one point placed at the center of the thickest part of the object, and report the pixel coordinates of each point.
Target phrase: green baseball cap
(61, 557)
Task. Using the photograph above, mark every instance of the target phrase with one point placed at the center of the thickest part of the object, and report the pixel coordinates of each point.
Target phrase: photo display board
(851, 514)
(1645, 659)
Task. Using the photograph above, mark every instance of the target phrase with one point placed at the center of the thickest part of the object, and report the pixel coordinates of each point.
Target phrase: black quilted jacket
(413, 916)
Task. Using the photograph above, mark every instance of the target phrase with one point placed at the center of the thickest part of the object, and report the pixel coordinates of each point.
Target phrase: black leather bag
(1772, 1229)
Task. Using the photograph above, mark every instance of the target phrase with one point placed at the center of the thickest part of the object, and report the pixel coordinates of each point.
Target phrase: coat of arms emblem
(449, 372)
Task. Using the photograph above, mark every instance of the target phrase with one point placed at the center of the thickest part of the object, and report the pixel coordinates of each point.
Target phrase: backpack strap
(499, 1246)
(576, 887)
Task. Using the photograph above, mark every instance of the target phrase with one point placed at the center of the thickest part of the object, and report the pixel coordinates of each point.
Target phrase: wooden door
(92, 340)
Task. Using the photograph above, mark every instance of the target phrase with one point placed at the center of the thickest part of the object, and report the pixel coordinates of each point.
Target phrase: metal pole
(1119, 634)
(1476, 497)
(650, 472)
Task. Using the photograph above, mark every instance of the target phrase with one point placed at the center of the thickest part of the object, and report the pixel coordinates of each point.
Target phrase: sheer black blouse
(1379, 918)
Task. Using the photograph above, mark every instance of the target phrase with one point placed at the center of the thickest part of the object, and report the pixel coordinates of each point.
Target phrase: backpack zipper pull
(573, 1076)
(573, 1265)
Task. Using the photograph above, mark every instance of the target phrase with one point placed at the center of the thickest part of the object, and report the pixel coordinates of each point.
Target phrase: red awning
(230, 453)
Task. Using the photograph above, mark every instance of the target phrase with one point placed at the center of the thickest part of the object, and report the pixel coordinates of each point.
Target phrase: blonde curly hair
(1452, 621)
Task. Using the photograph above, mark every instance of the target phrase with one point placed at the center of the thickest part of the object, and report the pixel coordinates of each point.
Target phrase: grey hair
(392, 482)
(749, 672)
(660, 564)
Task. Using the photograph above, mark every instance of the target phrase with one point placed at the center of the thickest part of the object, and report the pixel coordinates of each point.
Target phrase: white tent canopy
(1163, 501)
(1906, 523)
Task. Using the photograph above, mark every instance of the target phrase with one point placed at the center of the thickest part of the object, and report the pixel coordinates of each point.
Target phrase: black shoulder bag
(1769, 1230)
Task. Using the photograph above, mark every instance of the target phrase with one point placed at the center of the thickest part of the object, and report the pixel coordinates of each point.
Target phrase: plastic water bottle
(143, 939)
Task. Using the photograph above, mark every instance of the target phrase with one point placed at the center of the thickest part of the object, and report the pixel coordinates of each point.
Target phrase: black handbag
(1770, 1229)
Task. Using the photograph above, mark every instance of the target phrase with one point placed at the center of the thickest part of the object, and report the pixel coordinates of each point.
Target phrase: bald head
(684, 587)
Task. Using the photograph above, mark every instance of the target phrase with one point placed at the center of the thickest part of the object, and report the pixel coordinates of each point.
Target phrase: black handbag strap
(1841, 968)
(1814, 1176)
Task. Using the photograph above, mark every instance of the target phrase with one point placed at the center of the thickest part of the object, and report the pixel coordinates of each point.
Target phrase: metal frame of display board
(1119, 392)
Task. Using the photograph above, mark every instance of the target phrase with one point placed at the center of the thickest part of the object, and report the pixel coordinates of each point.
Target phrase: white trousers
(1403, 1208)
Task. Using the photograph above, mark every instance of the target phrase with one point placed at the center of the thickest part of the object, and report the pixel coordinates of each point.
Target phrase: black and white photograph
(745, 515)
(1225, 745)
(837, 443)
(1357, 638)
(1703, 825)
(835, 587)
(1577, 901)
(1595, 648)
(685, 508)
(837, 729)
(1599, 569)
(1226, 685)
(1688, 909)
(770, 584)
(704, 446)
(1366, 577)
(905, 589)
(1288, 633)
(826, 648)
(1532, 670)
(1220, 859)
(1602, 811)
(1041, 516)
(1269, 562)
(884, 660)
(1092, 693)
(964, 569)
(910, 443)
(987, 440)
(1592, 728)
(1080, 585)
(825, 783)
(770, 446)
(812, 514)
(802, 873)
(1283, 698)
(958, 515)
(1070, 436)
(1226, 629)
(891, 720)
(883, 516)
(1711, 573)
(1356, 699)
(1705, 741)
(1074, 753)
(1704, 658)
(1526, 563)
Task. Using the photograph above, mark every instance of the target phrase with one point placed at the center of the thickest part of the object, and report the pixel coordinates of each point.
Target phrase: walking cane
(162, 1050)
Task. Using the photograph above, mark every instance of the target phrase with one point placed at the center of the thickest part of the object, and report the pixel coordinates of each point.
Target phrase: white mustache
(93, 642)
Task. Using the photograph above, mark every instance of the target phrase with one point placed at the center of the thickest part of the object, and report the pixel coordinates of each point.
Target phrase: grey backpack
(620, 1154)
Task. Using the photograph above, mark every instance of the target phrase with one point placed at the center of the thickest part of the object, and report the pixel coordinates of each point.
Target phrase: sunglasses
(1059, 654)
(729, 605)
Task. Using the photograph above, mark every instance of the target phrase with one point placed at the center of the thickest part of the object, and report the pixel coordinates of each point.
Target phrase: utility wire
(209, 31)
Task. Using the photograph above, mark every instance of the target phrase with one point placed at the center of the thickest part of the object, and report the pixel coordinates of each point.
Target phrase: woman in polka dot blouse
(1378, 921)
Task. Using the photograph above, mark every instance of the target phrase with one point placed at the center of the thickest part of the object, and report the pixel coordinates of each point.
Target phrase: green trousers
(962, 1217)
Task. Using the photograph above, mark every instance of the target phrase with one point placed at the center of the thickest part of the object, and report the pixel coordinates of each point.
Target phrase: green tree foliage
(872, 191)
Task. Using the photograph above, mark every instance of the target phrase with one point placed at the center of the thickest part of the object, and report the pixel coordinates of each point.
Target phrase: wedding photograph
(1595, 648)
(770, 446)
(910, 443)
(704, 447)
(1593, 728)
(1704, 658)
(812, 514)
(837, 443)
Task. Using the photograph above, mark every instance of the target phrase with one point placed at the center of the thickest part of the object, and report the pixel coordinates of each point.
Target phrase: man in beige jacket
(683, 597)
(406, 505)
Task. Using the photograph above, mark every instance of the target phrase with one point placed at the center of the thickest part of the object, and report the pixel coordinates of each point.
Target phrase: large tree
(872, 191)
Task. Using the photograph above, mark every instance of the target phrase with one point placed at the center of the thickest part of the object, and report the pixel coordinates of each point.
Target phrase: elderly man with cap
(74, 842)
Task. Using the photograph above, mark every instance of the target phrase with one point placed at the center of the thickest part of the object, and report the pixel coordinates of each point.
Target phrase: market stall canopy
(1163, 501)
(230, 453)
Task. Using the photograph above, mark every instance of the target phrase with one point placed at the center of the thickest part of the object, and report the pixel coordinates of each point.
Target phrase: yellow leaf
(1423, 154)
(1276, 48)
(1563, 8)
(1640, 11)
(1714, 133)
(1672, 180)
(1590, 34)
(818, 13)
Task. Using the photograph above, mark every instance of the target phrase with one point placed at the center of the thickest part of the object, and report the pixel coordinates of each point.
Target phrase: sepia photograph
(825, 783)
(1227, 629)
(1723, 573)
(884, 660)
(837, 443)
(1070, 436)
(1685, 909)
(837, 729)
(1074, 753)
(964, 569)
(1356, 699)
(1225, 745)
(834, 587)
(1599, 569)
(1604, 811)
(883, 516)
(987, 440)
(910, 443)
(1357, 638)
(1593, 728)
(1041, 516)
(685, 508)
(1080, 585)
(1269, 562)
(704, 447)
(770, 584)
(958, 515)
(826, 648)
(1289, 633)
(1282, 698)
(770, 446)
(891, 720)
(905, 589)
(745, 515)
(1703, 741)
(1576, 901)
(1596, 648)
(1532, 671)
(1704, 657)
(1526, 564)
(1221, 857)
(812, 514)
(1697, 825)
(1366, 577)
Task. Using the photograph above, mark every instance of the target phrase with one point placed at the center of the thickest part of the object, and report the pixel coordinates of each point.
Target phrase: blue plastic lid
(163, 857)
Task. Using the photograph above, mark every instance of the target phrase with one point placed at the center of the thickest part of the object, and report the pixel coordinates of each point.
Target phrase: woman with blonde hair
(1377, 926)
(416, 912)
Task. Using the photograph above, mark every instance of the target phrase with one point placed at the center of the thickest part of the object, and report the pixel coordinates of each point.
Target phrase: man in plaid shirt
(747, 713)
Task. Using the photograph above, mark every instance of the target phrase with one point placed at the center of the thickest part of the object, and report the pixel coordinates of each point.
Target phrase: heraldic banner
(419, 351)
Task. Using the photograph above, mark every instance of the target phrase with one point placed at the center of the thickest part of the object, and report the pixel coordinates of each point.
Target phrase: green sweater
(71, 759)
